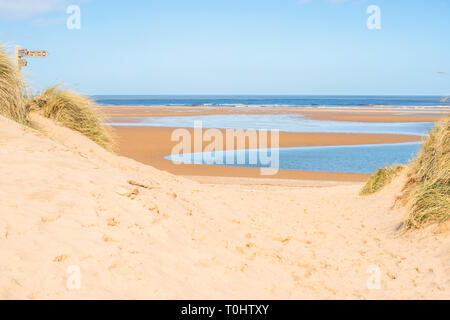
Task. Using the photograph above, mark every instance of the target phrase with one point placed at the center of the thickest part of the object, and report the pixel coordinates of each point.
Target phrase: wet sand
(335, 114)
(150, 145)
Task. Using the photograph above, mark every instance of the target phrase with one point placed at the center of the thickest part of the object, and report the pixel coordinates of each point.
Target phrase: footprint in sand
(112, 222)
(60, 258)
(50, 218)
(108, 239)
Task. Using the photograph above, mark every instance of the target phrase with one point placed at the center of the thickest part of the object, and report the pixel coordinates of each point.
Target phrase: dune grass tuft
(380, 179)
(12, 100)
(428, 185)
(73, 111)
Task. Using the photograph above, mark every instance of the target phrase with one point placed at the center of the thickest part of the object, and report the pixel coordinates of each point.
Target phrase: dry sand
(137, 232)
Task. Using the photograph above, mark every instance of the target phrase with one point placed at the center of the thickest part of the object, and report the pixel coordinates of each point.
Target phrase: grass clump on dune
(428, 185)
(380, 179)
(12, 100)
(73, 111)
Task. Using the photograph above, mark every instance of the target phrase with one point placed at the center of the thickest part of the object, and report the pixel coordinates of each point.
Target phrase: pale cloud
(22, 9)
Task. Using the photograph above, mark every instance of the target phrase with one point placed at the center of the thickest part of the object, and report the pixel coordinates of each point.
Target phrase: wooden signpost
(22, 53)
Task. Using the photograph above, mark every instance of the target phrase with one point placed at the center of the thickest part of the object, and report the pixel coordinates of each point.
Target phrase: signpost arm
(20, 53)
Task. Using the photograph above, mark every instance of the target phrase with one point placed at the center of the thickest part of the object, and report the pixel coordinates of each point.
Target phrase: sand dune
(137, 232)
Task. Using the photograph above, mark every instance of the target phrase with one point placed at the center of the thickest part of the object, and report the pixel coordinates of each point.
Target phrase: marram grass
(73, 111)
(380, 179)
(428, 185)
(427, 190)
(12, 100)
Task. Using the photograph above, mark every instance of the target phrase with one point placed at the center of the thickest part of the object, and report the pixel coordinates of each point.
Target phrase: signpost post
(21, 53)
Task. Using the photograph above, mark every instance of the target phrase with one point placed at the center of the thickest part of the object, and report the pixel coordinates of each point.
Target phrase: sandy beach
(139, 144)
(150, 145)
(135, 232)
(243, 152)
(360, 114)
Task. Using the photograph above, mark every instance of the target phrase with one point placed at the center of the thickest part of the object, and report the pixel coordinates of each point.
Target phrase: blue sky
(235, 46)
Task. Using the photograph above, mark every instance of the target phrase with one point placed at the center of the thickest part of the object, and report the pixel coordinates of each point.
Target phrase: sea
(274, 101)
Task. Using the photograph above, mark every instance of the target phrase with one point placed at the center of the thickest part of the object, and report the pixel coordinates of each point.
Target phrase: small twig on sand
(138, 184)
